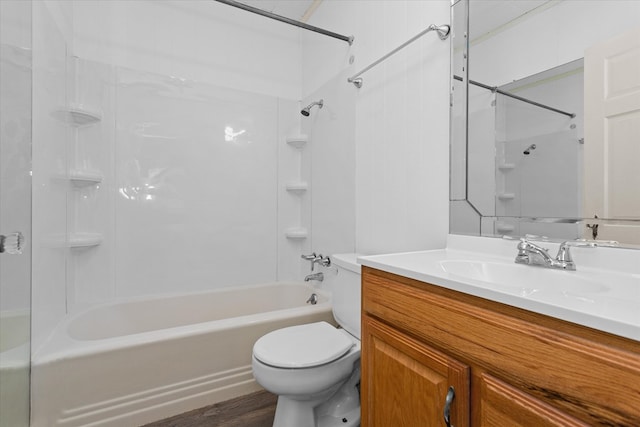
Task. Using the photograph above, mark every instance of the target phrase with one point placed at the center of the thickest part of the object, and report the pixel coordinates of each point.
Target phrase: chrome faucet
(317, 276)
(532, 254)
(317, 259)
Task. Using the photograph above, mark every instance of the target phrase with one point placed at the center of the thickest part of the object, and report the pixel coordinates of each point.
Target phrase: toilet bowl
(315, 368)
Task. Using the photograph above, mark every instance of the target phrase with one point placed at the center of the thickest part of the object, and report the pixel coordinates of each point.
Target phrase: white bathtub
(137, 361)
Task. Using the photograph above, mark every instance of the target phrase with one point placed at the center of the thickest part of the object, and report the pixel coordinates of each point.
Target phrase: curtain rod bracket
(357, 82)
(443, 31)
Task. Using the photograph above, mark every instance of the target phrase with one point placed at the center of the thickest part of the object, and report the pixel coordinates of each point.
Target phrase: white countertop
(609, 301)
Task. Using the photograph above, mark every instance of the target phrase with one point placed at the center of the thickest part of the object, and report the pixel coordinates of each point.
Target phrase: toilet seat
(302, 346)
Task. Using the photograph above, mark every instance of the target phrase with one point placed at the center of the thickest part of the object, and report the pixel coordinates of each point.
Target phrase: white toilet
(315, 368)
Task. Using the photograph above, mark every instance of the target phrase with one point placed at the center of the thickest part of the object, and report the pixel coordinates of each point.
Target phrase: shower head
(528, 150)
(305, 111)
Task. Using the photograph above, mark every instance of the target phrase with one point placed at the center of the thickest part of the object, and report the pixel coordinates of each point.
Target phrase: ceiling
(490, 15)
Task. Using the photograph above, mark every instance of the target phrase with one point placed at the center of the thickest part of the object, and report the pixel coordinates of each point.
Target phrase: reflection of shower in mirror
(528, 150)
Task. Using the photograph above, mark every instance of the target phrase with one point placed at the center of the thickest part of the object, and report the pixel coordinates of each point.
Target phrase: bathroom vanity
(473, 347)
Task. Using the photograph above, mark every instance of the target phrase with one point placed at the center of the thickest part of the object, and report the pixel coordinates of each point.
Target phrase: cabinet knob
(447, 405)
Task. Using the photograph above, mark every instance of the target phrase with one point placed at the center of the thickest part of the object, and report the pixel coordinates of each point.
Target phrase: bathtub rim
(60, 345)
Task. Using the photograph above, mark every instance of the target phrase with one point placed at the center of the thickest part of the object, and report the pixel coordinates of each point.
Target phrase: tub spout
(317, 276)
(313, 299)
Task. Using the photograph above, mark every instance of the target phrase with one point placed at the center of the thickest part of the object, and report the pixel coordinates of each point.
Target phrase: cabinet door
(503, 405)
(405, 382)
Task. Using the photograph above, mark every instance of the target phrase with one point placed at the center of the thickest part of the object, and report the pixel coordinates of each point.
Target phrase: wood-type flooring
(253, 410)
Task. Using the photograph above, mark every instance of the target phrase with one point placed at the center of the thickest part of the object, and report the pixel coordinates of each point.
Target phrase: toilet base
(294, 413)
(350, 419)
(342, 409)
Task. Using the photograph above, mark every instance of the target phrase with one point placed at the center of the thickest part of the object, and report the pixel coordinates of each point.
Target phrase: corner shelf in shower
(84, 240)
(506, 166)
(504, 228)
(297, 187)
(296, 233)
(506, 196)
(77, 116)
(84, 178)
(298, 141)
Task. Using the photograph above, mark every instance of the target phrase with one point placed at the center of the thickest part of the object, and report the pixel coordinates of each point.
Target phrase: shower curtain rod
(519, 98)
(348, 39)
(443, 33)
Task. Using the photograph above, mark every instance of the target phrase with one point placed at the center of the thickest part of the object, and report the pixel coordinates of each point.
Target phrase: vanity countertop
(603, 293)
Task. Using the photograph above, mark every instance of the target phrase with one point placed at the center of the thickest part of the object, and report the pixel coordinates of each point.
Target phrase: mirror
(545, 119)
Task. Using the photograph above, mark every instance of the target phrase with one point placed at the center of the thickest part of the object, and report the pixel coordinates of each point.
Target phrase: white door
(612, 136)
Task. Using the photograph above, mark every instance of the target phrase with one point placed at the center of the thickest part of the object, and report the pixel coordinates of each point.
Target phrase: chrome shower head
(528, 150)
(305, 111)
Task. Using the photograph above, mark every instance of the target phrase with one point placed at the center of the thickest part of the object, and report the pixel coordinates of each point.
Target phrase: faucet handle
(309, 257)
(565, 255)
(584, 243)
(526, 244)
(314, 258)
(537, 238)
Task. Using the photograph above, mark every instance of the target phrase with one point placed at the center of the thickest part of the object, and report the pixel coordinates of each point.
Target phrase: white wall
(333, 163)
(196, 171)
(401, 117)
(204, 41)
(91, 208)
(189, 51)
(52, 40)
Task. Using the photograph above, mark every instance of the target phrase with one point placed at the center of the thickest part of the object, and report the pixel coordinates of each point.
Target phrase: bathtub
(131, 362)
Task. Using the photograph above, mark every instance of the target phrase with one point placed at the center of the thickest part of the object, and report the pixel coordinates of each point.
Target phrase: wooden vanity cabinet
(407, 381)
(508, 366)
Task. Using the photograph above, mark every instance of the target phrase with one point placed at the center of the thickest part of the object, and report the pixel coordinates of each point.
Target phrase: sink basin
(523, 280)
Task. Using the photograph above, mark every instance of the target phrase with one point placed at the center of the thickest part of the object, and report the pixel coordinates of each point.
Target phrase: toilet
(315, 368)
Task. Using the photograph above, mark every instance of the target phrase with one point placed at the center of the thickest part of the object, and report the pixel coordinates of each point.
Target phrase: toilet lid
(302, 346)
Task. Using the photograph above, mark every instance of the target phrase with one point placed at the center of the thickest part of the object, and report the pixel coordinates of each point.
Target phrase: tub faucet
(317, 276)
(313, 299)
(317, 259)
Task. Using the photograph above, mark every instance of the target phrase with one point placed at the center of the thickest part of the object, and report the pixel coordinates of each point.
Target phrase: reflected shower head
(527, 151)
(305, 111)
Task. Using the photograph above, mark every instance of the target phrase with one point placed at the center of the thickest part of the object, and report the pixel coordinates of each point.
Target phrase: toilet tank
(346, 293)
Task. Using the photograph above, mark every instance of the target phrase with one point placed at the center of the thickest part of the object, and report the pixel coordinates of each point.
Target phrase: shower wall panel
(90, 272)
(196, 177)
(50, 145)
